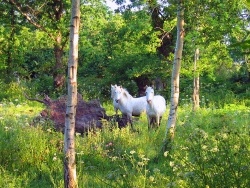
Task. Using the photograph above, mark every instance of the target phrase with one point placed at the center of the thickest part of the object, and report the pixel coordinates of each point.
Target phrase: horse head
(113, 90)
(118, 90)
(121, 93)
(149, 94)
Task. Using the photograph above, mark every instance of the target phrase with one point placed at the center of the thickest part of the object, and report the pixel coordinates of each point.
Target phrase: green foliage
(119, 47)
(11, 92)
(213, 149)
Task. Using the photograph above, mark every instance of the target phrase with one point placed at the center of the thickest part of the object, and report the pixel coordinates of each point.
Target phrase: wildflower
(142, 156)
(175, 168)
(140, 164)
(132, 152)
(54, 158)
(145, 159)
(78, 134)
(156, 170)
(224, 136)
(204, 147)
(214, 149)
(109, 144)
(171, 163)
(151, 178)
(114, 158)
(81, 153)
(166, 153)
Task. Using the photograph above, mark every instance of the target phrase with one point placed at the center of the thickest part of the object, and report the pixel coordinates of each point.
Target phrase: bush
(213, 150)
(11, 92)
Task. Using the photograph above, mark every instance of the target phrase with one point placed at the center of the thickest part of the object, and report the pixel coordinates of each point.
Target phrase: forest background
(131, 46)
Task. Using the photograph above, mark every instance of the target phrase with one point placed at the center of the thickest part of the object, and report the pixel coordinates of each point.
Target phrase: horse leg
(157, 121)
(149, 122)
(129, 119)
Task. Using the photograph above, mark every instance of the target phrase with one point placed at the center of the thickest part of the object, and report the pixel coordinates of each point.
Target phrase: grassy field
(211, 149)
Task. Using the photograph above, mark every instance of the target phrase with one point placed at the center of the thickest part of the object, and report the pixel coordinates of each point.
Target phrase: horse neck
(127, 95)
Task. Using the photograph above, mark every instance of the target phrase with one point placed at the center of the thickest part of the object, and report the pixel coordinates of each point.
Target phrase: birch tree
(70, 179)
(175, 79)
(196, 90)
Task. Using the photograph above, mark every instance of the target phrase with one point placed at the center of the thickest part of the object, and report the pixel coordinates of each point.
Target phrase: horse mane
(126, 93)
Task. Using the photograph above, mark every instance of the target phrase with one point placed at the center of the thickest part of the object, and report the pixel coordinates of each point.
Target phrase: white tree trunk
(175, 77)
(70, 179)
(196, 91)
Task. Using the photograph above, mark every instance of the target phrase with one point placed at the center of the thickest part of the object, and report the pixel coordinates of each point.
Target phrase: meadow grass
(211, 149)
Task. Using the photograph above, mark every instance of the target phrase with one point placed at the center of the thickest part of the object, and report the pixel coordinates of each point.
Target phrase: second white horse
(156, 107)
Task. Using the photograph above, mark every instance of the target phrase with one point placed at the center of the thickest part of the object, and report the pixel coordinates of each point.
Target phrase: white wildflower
(166, 153)
(132, 152)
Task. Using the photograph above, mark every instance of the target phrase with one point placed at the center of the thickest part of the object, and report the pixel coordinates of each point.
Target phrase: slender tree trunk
(175, 78)
(247, 60)
(9, 51)
(196, 97)
(59, 71)
(70, 179)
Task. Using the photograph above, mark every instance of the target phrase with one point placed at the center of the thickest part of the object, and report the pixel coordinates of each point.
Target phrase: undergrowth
(211, 149)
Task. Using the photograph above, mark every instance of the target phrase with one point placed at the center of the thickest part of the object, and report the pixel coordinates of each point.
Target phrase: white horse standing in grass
(156, 107)
(128, 105)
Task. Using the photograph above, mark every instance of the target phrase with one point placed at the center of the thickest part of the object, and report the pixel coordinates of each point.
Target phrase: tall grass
(211, 149)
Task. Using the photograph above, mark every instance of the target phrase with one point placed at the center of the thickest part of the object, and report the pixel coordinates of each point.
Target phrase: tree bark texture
(196, 97)
(70, 179)
(175, 78)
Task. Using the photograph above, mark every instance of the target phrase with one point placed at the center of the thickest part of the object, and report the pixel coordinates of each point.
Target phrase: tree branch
(28, 15)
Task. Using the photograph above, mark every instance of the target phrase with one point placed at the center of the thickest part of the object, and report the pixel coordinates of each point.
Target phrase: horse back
(159, 103)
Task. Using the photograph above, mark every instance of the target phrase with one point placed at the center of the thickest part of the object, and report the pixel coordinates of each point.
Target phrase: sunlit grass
(209, 146)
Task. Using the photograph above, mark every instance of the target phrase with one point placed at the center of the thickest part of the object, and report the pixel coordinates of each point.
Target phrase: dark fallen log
(89, 115)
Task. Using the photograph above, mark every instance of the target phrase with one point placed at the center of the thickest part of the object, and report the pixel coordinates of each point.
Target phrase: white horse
(128, 105)
(115, 104)
(156, 107)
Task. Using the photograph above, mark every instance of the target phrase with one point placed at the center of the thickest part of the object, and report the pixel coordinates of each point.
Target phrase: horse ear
(145, 87)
